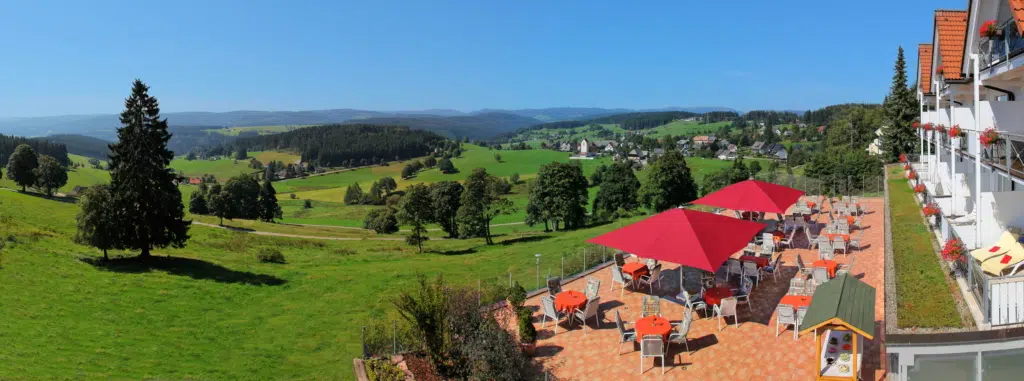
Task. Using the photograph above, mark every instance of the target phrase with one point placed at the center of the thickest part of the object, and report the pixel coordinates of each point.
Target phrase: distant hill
(479, 126)
(82, 145)
(349, 144)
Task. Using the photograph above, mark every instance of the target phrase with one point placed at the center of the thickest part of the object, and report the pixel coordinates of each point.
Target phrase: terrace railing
(997, 50)
(863, 186)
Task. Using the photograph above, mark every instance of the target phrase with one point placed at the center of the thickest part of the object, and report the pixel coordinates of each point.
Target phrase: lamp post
(538, 269)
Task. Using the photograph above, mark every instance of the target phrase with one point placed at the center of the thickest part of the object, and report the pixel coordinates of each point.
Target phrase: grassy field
(210, 310)
(924, 297)
(83, 176)
(262, 130)
(226, 168)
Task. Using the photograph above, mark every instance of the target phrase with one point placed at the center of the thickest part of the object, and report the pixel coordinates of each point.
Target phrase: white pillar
(977, 152)
(952, 152)
(921, 122)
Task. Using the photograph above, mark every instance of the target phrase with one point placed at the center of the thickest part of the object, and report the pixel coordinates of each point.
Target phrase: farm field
(262, 130)
(226, 167)
(212, 311)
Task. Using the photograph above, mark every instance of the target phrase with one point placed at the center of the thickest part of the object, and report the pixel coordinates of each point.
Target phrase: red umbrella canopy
(687, 237)
(753, 195)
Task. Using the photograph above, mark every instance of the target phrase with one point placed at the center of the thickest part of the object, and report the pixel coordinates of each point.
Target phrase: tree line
(241, 196)
(42, 172)
(58, 151)
(338, 145)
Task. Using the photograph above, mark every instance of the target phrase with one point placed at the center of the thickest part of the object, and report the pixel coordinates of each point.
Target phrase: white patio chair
(652, 346)
(548, 306)
(727, 308)
(652, 278)
(625, 336)
(787, 316)
(651, 305)
(801, 267)
(750, 271)
(751, 249)
(695, 302)
(788, 241)
(734, 267)
(651, 263)
(681, 331)
(796, 286)
(812, 285)
(812, 241)
(767, 238)
(590, 311)
(800, 312)
(768, 247)
(838, 243)
(742, 294)
(775, 268)
(819, 274)
(825, 251)
(843, 228)
(621, 278)
(593, 287)
(846, 268)
(857, 242)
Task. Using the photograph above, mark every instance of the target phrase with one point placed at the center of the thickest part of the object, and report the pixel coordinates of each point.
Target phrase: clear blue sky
(79, 57)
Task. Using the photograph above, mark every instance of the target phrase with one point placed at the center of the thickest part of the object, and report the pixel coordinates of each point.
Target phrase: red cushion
(993, 249)
(1006, 259)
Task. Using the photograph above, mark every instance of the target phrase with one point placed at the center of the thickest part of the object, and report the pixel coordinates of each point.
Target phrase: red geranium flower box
(955, 131)
(930, 210)
(989, 137)
(919, 188)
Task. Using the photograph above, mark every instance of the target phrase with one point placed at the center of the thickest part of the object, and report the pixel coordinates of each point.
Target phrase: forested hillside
(42, 147)
(480, 126)
(341, 145)
(826, 114)
(642, 120)
(82, 145)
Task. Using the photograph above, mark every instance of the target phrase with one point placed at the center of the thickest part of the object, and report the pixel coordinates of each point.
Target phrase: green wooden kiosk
(842, 315)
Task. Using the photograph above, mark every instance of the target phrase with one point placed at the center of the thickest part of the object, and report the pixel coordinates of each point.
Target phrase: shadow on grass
(453, 252)
(529, 238)
(237, 229)
(69, 200)
(193, 268)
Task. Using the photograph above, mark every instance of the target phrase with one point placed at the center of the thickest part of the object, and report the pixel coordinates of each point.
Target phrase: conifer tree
(268, 208)
(150, 213)
(900, 109)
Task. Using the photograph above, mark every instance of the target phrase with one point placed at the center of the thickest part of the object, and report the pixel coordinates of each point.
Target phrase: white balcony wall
(929, 117)
(964, 116)
(943, 117)
(1004, 116)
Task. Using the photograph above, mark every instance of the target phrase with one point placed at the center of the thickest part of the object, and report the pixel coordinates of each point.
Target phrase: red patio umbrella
(753, 195)
(686, 237)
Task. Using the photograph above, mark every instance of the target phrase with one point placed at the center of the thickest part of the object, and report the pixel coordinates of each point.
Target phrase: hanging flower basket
(930, 210)
(989, 137)
(990, 30)
(956, 131)
(919, 188)
(954, 251)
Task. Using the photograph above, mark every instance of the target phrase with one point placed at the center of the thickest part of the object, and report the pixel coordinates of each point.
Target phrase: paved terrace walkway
(750, 351)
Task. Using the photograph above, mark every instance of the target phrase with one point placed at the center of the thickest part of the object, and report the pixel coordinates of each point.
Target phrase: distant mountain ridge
(481, 123)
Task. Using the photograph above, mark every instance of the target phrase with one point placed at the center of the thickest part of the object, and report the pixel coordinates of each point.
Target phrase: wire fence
(864, 186)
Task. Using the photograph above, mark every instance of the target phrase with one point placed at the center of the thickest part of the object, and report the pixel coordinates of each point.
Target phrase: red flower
(941, 128)
(988, 29)
(989, 137)
(955, 131)
(916, 125)
(906, 166)
(928, 126)
(912, 175)
(954, 250)
(919, 188)
(930, 210)
(938, 70)
(903, 158)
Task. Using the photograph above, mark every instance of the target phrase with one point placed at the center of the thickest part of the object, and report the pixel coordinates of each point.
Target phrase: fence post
(394, 337)
(510, 278)
(363, 340)
(479, 293)
(561, 269)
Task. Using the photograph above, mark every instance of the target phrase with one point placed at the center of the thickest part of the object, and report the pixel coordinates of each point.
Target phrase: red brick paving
(750, 351)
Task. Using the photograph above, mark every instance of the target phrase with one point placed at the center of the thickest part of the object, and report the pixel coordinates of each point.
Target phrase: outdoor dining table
(635, 269)
(811, 204)
(832, 236)
(796, 301)
(778, 236)
(653, 325)
(760, 261)
(850, 220)
(713, 296)
(829, 265)
(568, 301)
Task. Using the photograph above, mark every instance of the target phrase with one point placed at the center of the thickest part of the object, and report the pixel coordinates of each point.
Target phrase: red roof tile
(924, 61)
(1017, 6)
(951, 27)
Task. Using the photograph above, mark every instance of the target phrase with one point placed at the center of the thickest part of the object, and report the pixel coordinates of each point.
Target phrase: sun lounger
(1005, 254)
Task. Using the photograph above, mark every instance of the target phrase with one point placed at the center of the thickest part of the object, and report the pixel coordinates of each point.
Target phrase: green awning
(844, 300)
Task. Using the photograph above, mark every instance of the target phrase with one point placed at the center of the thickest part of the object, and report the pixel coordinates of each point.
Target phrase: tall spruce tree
(149, 208)
(900, 109)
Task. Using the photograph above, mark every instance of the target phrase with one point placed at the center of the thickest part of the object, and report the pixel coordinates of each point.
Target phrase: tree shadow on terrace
(190, 267)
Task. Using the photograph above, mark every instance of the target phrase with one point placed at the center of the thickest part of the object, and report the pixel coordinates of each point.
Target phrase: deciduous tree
(96, 221)
(415, 209)
(50, 175)
(21, 166)
(481, 201)
(197, 203)
(618, 190)
(445, 199)
(353, 194)
(669, 183)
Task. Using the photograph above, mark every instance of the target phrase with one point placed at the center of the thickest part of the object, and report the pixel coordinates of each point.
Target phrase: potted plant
(956, 131)
(916, 125)
(912, 175)
(903, 158)
(516, 296)
(989, 137)
(927, 126)
(930, 211)
(940, 128)
(990, 30)
(919, 188)
(527, 332)
(954, 252)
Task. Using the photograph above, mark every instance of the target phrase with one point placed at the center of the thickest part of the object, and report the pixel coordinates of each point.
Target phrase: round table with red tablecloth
(797, 301)
(714, 296)
(777, 236)
(635, 269)
(761, 262)
(850, 220)
(830, 265)
(811, 204)
(653, 325)
(568, 301)
(832, 236)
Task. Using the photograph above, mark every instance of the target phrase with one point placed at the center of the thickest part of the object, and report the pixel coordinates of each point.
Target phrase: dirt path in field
(256, 232)
(403, 230)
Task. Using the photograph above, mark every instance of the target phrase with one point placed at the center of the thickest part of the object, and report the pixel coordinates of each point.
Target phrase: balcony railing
(1007, 155)
(999, 49)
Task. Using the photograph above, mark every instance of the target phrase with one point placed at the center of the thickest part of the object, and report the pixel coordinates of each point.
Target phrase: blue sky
(80, 57)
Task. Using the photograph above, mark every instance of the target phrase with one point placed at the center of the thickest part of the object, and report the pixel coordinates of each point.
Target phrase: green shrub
(383, 370)
(527, 332)
(270, 255)
(516, 296)
(293, 196)
(307, 204)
